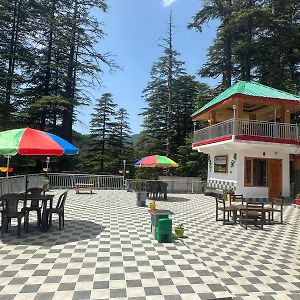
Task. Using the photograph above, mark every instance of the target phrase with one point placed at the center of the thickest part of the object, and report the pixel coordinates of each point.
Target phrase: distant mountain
(134, 138)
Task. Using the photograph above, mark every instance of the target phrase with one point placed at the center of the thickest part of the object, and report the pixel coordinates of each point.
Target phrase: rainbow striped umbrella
(156, 161)
(28, 141)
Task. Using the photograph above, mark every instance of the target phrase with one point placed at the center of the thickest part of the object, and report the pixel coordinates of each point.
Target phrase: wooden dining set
(236, 209)
(19, 205)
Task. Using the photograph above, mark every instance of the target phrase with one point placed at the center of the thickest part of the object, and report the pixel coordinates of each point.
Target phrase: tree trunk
(11, 63)
(67, 122)
(170, 87)
(227, 46)
(48, 63)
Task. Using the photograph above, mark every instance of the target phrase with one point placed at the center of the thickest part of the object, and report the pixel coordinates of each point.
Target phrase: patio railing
(101, 182)
(283, 131)
(16, 184)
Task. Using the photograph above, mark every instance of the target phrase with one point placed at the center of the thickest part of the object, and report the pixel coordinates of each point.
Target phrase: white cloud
(168, 2)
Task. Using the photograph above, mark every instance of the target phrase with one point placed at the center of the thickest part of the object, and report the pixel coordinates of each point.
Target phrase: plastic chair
(164, 231)
(35, 204)
(59, 209)
(11, 211)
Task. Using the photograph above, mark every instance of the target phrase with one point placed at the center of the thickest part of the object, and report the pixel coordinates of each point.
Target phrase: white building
(251, 144)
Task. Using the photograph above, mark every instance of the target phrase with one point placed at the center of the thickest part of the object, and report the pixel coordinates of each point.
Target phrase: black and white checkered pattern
(221, 184)
(107, 251)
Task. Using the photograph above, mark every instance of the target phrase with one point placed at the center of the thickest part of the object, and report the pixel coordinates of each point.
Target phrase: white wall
(236, 173)
(231, 175)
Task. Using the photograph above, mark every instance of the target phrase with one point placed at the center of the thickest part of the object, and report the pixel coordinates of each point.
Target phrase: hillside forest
(49, 59)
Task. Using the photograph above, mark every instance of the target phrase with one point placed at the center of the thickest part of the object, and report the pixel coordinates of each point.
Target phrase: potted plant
(152, 205)
(297, 200)
(179, 230)
(46, 183)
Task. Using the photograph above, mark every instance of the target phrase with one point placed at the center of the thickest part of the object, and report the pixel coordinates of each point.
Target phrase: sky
(134, 29)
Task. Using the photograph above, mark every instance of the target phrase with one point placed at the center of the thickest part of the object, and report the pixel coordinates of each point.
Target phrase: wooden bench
(84, 186)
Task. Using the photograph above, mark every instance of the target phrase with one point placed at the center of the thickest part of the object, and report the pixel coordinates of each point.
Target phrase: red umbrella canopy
(156, 161)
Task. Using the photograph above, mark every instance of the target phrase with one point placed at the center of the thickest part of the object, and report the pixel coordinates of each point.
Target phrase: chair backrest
(10, 203)
(162, 186)
(257, 206)
(61, 200)
(277, 202)
(220, 200)
(35, 190)
(237, 198)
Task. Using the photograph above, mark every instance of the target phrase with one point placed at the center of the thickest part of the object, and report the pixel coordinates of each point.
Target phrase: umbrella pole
(7, 165)
(26, 177)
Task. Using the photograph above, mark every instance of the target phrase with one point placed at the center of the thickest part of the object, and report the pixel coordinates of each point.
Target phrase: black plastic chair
(11, 211)
(35, 205)
(59, 209)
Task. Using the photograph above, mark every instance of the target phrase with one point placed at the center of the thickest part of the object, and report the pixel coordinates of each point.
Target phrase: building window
(256, 172)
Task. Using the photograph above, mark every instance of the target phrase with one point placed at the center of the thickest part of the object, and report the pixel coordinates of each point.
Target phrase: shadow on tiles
(176, 199)
(75, 230)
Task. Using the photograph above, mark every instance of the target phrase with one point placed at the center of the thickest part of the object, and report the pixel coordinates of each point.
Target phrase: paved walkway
(107, 251)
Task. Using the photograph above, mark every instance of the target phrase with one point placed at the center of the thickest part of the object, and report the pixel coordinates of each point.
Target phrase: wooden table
(240, 207)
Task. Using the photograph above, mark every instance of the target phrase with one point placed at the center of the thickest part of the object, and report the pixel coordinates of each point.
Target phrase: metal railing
(101, 182)
(289, 132)
(16, 184)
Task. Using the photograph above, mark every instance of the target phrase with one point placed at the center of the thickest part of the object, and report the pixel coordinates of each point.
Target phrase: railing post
(233, 129)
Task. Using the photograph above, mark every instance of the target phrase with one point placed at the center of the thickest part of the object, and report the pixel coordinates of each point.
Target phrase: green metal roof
(249, 88)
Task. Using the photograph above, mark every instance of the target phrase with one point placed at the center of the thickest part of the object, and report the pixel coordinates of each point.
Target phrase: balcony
(261, 131)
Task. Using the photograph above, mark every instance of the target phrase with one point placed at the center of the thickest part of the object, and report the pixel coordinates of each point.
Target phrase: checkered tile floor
(107, 251)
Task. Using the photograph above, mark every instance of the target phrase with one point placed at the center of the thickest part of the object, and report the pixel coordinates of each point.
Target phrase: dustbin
(141, 198)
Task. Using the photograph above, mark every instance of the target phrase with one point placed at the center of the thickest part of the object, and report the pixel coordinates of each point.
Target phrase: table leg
(44, 225)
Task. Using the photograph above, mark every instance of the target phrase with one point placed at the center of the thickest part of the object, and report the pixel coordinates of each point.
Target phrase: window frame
(250, 183)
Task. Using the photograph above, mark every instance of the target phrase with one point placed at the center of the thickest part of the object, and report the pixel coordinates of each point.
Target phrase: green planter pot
(179, 232)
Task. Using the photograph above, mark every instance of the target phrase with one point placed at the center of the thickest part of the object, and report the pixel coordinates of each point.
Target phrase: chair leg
(59, 221)
(19, 227)
(39, 218)
(63, 219)
(3, 224)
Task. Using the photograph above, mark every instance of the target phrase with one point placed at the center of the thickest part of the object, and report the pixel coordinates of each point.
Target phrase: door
(275, 178)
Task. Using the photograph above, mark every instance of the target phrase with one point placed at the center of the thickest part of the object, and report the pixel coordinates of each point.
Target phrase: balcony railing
(250, 128)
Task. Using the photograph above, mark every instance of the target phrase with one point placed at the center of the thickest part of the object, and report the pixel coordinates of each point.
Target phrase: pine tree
(222, 10)
(102, 127)
(159, 94)
(121, 136)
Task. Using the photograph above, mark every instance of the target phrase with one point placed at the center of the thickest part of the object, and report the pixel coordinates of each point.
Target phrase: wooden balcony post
(239, 109)
(213, 117)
